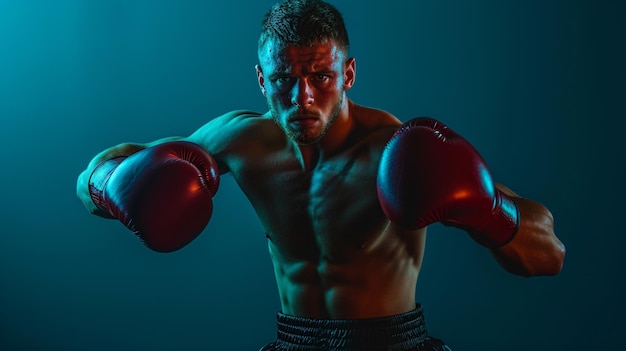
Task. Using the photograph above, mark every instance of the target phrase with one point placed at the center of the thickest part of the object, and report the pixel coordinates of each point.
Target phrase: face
(305, 87)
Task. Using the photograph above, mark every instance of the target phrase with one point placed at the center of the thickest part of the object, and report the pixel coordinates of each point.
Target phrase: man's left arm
(428, 173)
(535, 249)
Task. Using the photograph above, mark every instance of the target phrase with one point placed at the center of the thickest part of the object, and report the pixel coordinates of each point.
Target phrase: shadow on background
(536, 86)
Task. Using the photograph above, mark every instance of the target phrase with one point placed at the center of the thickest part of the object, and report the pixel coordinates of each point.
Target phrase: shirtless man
(325, 175)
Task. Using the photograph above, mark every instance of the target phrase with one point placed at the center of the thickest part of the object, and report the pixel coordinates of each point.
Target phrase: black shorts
(403, 332)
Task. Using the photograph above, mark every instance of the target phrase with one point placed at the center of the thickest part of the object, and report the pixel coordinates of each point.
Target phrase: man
(345, 192)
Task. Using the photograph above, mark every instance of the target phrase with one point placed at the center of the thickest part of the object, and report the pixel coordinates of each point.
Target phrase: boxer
(344, 192)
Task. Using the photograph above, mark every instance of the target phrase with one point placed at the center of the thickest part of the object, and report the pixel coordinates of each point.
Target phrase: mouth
(304, 119)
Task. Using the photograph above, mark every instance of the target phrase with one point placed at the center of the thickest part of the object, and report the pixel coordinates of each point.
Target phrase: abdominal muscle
(373, 282)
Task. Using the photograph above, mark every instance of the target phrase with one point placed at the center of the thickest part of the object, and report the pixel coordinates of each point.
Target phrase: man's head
(304, 69)
(304, 23)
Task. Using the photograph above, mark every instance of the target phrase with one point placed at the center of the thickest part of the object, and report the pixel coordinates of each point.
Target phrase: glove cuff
(502, 227)
(98, 181)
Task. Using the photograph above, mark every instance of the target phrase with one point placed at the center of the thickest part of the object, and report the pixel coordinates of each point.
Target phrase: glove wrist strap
(98, 181)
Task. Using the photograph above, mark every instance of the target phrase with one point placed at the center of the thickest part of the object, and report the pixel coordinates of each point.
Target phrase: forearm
(535, 249)
(125, 149)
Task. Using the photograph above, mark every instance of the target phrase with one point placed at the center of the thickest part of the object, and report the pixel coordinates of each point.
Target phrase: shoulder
(235, 132)
(226, 129)
(233, 120)
(378, 124)
(373, 118)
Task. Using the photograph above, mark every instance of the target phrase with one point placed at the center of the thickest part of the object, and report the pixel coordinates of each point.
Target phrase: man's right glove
(162, 193)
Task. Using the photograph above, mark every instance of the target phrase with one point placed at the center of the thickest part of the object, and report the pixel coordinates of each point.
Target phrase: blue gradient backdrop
(536, 86)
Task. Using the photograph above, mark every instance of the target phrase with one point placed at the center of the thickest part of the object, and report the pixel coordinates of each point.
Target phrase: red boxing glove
(429, 174)
(162, 193)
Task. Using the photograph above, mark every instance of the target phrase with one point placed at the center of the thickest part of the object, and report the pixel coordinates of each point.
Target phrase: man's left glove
(428, 173)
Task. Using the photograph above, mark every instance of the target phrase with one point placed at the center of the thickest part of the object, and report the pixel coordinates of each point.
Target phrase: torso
(335, 254)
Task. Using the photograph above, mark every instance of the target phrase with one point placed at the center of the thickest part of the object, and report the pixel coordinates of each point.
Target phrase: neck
(308, 156)
(334, 140)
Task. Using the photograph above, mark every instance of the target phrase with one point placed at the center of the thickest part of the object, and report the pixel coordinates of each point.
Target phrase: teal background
(536, 86)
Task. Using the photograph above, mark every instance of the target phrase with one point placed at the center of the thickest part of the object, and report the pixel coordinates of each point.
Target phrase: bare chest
(330, 212)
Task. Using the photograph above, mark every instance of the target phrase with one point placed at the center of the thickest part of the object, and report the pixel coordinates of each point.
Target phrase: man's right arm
(162, 191)
(216, 137)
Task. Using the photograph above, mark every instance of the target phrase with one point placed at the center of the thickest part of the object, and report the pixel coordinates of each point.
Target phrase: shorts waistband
(398, 332)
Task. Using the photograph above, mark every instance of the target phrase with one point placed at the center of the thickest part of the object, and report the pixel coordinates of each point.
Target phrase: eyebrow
(276, 75)
(326, 72)
(286, 73)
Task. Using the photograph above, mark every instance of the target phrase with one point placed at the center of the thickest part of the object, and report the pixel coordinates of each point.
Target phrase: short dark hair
(304, 23)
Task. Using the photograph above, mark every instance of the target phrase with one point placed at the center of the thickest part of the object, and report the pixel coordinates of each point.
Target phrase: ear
(349, 73)
(260, 79)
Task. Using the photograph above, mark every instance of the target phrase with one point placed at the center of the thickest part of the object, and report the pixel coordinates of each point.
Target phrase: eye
(322, 77)
(282, 80)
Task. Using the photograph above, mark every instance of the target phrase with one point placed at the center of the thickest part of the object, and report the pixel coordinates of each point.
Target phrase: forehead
(275, 56)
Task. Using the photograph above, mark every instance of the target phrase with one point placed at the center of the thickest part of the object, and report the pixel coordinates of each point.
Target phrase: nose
(302, 95)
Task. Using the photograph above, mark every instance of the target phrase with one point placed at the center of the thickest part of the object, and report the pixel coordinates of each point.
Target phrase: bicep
(219, 136)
